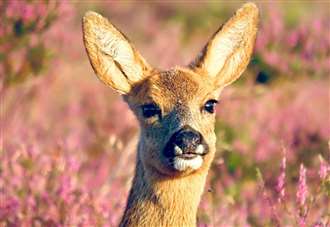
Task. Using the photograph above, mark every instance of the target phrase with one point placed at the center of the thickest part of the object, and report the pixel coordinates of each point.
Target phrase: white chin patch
(182, 164)
(199, 149)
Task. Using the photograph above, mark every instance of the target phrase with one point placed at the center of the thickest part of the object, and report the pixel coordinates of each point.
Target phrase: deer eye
(150, 110)
(209, 106)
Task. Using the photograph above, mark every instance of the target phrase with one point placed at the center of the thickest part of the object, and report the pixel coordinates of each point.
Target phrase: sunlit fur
(167, 192)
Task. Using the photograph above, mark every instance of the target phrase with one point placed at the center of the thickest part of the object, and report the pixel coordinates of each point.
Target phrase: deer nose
(187, 139)
(187, 143)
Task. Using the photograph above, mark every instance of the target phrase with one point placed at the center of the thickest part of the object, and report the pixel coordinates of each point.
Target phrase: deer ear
(228, 52)
(114, 60)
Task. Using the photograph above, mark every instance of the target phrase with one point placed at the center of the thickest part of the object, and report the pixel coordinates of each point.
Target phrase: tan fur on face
(181, 95)
(162, 195)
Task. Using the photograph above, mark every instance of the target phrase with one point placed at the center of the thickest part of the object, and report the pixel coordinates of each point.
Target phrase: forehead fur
(174, 86)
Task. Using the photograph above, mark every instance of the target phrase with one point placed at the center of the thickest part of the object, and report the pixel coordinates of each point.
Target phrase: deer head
(176, 107)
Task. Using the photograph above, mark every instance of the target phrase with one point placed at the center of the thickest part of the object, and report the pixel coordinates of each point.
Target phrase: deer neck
(155, 200)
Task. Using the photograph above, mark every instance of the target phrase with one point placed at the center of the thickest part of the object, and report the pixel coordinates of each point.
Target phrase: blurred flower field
(67, 143)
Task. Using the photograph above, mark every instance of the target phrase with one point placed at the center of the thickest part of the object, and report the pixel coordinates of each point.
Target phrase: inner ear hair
(229, 50)
(114, 59)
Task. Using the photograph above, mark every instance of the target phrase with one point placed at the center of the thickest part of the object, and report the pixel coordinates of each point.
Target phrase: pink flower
(302, 187)
(8, 206)
(28, 12)
(13, 8)
(324, 169)
(280, 187)
(301, 222)
(318, 224)
(302, 196)
(293, 39)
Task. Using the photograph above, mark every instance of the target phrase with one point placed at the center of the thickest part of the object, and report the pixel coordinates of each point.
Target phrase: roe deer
(175, 109)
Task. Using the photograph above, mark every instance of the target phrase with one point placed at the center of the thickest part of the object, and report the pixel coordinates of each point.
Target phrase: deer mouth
(187, 161)
(173, 150)
(189, 154)
(181, 160)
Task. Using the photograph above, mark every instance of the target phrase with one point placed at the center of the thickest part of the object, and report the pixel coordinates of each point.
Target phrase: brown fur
(160, 195)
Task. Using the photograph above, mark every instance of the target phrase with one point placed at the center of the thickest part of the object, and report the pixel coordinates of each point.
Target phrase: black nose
(187, 139)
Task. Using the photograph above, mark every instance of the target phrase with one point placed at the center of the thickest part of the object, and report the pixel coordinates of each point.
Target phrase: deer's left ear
(228, 53)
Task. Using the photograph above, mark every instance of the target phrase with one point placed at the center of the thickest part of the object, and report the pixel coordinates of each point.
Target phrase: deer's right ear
(114, 60)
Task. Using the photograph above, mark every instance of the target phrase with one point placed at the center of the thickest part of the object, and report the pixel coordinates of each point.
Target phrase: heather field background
(67, 143)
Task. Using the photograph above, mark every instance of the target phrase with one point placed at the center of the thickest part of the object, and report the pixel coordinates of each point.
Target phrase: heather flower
(8, 206)
(301, 222)
(319, 224)
(302, 196)
(302, 47)
(280, 187)
(324, 168)
(28, 13)
(302, 187)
